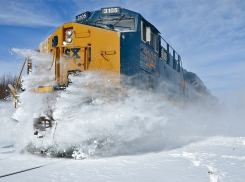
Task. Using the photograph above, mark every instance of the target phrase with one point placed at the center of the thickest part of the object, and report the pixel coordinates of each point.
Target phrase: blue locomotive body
(146, 56)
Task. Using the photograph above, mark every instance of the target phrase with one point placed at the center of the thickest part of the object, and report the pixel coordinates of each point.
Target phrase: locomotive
(121, 42)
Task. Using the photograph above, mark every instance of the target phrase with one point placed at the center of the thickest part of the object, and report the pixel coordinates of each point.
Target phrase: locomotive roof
(99, 15)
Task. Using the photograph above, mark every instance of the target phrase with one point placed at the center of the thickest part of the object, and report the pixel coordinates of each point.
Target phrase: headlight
(68, 40)
(69, 36)
(69, 32)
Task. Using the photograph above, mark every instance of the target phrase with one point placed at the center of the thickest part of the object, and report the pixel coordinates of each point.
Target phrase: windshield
(123, 24)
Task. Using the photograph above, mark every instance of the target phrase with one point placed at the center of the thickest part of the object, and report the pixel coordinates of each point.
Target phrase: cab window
(143, 34)
(153, 37)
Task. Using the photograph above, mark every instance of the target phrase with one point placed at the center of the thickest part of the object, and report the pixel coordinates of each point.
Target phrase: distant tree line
(6, 79)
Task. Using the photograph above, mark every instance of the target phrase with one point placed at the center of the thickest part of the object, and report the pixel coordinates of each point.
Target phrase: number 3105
(111, 10)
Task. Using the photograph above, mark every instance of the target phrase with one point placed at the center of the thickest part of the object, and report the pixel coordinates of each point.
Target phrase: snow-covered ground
(187, 150)
(212, 159)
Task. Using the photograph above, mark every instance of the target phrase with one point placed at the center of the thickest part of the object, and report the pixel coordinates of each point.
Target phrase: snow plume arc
(119, 124)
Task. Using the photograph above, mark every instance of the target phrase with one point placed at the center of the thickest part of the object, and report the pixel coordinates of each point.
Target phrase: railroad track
(20, 171)
(36, 172)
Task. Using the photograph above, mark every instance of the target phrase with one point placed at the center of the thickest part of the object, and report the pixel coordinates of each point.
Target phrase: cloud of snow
(7, 125)
(121, 122)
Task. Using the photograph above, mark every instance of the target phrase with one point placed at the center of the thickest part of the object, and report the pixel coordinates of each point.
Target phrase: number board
(82, 16)
(113, 10)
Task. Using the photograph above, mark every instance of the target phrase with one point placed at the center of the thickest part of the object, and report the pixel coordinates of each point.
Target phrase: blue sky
(208, 34)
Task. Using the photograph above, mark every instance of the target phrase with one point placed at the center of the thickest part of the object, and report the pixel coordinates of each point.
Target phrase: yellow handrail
(13, 90)
(16, 85)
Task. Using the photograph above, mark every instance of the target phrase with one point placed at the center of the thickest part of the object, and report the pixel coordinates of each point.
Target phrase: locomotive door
(149, 59)
(74, 59)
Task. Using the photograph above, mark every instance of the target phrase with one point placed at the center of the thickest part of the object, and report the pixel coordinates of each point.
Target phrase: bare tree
(6, 79)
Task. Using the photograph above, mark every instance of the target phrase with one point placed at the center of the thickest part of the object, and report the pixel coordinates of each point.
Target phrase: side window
(152, 40)
(149, 37)
(143, 31)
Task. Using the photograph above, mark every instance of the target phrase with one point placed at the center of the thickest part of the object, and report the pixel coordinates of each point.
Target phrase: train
(118, 41)
(121, 41)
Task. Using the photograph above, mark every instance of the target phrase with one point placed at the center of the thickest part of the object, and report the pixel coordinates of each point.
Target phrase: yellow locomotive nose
(78, 47)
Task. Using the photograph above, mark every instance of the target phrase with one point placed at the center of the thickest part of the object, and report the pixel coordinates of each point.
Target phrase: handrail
(13, 90)
(53, 60)
(77, 36)
(104, 53)
(16, 85)
(97, 60)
